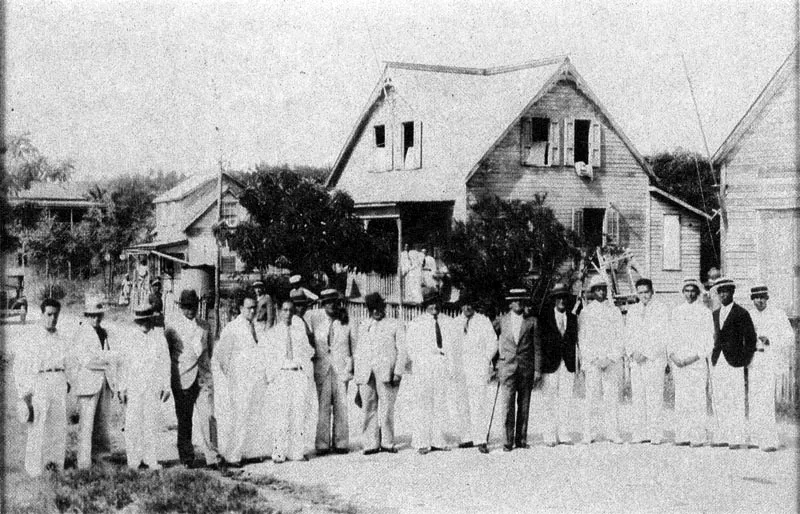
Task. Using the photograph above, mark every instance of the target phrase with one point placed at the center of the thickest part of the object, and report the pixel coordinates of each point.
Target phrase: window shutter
(577, 221)
(595, 144)
(554, 150)
(418, 142)
(611, 226)
(525, 140)
(569, 142)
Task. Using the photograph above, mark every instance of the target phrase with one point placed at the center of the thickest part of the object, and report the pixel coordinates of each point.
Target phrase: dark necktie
(466, 325)
(438, 332)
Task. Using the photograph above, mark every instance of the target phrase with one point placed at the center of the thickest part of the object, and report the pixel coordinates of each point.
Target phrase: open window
(582, 142)
(380, 136)
(597, 227)
(411, 145)
(536, 146)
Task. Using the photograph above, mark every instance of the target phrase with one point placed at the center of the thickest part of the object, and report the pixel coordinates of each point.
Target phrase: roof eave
(679, 202)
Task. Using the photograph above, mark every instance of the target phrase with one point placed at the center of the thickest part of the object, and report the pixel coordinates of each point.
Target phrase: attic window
(380, 136)
(582, 132)
(408, 137)
(230, 213)
(538, 148)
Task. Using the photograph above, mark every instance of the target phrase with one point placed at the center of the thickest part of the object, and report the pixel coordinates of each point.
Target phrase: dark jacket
(519, 358)
(555, 347)
(736, 339)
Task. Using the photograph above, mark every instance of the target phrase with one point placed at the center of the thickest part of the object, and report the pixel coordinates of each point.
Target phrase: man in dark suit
(735, 338)
(558, 329)
(518, 368)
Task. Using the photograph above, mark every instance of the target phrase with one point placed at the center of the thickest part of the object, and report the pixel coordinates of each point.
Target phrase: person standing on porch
(735, 338)
(333, 369)
(380, 360)
(773, 354)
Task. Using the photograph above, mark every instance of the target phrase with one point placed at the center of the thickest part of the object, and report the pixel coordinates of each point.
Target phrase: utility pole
(217, 296)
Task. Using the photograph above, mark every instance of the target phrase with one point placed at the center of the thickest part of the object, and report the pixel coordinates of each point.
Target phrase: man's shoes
(468, 444)
(507, 447)
(237, 464)
(440, 449)
(483, 448)
(51, 466)
(551, 444)
(616, 439)
(340, 451)
(372, 451)
(696, 445)
(321, 452)
(682, 443)
(718, 445)
(656, 441)
(424, 451)
(522, 445)
(388, 449)
(769, 449)
(301, 458)
(736, 447)
(278, 459)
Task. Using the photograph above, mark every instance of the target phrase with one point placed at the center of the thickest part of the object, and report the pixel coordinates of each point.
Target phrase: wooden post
(399, 223)
(217, 296)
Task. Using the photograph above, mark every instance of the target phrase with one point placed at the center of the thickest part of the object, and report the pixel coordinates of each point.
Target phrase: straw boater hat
(759, 292)
(374, 301)
(142, 313)
(155, 281)
(597, 281)
(24, 411)
(691, 282)
(518, 294)
(559, 291)
(258, 283)
(93, 305)
(724, 282)
(298, 297)
(188, 298)
(328, 295)
(295, 279)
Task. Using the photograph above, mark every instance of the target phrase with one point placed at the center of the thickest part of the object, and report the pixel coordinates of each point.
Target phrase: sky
(128, 86)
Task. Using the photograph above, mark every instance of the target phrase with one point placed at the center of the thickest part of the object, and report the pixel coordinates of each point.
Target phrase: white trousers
(203, 420)
(430, 395)
(690, 402)
(142, 417)
(602, 392)
(378, 399)
(94, 434)
(290, 388)
(728, 386)
(243, 395)
(556, 393)
(47, 433)
(763, 424)
(332, 414)
(647, 388)
(479, 396)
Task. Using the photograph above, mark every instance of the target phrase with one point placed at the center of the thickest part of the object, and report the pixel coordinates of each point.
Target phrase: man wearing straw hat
(735, 339)
(430, 341)
(773, 354)
(97, 357)
(647, 333)
(559, 333)
(691, 339)
(518, 368)
(40, 368)
(192, 384)
(333, 369)
(601, 350)
(379, 361)
(144, 383)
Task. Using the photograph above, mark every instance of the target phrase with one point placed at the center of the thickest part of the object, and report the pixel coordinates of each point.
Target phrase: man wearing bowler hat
(97, 354)
(40, 376)
(156, 302)
(735, 341)
(192, 384)
(430, 343)
(518, 368)
(144, 383)
(773, 355)
(333, 369)
(379, 362)
(558, 328)
(601, 350)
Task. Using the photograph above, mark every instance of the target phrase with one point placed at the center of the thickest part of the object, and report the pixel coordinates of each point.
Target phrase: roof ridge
(493, 70)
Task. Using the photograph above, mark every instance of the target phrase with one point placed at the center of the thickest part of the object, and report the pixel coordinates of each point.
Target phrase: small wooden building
(433, 139)
(758, 164)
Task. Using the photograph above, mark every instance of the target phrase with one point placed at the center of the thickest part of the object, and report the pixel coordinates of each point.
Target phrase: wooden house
(433, 139)
(759, 174)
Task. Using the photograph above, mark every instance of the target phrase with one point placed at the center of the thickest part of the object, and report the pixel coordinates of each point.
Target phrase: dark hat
(429, 296)
(142, 313)
(298, 297)
(465, 297)
(517, 294)
(560, 290)
(328, 295)
(759, 292)
(155, 281)
(374, 301)
(188, 298)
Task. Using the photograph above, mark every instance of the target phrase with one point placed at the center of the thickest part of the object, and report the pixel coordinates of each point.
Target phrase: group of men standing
(291, 369)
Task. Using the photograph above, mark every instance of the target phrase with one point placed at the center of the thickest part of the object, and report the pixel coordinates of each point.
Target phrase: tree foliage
(296, 223)
(503, 243)
(25, 164)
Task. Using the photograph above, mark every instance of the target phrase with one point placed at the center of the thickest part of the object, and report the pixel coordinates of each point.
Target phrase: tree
(24, 165)
(688, 175)
(503, 244)
(296, 223)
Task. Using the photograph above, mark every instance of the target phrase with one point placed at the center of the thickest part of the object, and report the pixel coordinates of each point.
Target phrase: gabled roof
(466, 112)
(677, 201)
(204, 207)
(772, 88)
(192, 184)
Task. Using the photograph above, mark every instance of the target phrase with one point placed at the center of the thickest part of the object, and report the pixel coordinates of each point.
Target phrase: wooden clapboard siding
(670, 281)
(620, 180)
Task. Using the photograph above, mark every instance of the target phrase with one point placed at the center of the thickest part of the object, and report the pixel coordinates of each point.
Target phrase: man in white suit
(41, 378)
(380, 360)
(97, 357)
(333, 369)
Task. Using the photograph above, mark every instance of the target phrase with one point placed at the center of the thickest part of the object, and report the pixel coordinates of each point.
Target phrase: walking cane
(491, 418)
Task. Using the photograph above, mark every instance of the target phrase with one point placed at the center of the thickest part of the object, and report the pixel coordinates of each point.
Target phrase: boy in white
(691, 342)
(647, 329)
(145, 383)
(773, 353)
(40, 369)
(287, 356)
